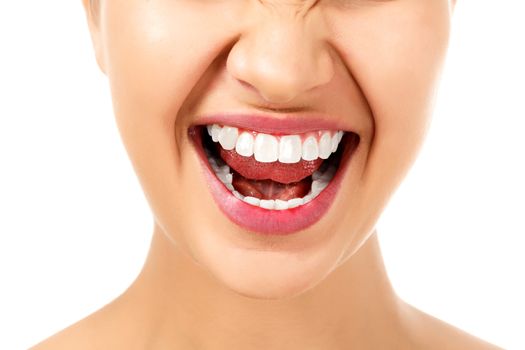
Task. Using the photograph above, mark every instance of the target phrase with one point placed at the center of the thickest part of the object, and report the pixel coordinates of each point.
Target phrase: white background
(75, 227)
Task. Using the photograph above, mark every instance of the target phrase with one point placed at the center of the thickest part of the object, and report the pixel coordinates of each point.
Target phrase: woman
(268, 137)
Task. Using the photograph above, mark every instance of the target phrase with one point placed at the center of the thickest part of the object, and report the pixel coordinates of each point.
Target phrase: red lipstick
(261, 220)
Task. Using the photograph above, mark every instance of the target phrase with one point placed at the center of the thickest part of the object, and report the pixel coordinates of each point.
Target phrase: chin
(269, 273)
(270, 283)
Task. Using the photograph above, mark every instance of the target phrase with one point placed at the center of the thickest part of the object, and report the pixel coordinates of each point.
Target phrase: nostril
(247, 85)
(271, 96)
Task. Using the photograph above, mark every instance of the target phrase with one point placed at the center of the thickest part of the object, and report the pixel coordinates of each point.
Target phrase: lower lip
(272, 222)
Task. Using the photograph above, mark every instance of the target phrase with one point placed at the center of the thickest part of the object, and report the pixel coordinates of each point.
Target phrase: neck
(185, 307)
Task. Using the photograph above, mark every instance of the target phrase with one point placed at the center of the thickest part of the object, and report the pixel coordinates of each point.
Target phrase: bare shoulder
(432, 333)
(81, 335)
(76, 336)
(107, 328)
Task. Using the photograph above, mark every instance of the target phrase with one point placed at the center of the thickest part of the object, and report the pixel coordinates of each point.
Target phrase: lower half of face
(269, 137)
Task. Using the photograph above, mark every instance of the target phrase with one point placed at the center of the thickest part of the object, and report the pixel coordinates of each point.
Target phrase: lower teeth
(320, 179)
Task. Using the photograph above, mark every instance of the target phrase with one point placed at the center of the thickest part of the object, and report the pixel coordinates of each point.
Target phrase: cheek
(395, 52)
(156, 52)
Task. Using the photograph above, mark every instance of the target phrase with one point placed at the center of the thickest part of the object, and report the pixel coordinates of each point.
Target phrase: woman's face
(285, 74)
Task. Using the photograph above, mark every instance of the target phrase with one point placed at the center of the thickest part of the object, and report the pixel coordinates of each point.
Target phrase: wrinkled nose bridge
(297, 8)
(282, 53)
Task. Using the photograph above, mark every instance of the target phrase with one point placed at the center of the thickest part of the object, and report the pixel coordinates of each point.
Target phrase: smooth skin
(371, 65)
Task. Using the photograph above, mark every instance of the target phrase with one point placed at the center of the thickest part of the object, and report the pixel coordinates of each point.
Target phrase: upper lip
(281, 123)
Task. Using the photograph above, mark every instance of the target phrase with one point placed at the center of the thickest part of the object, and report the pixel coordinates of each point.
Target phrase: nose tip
(280, 60)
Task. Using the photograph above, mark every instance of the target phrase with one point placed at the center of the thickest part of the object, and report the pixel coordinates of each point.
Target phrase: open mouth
(273, 183)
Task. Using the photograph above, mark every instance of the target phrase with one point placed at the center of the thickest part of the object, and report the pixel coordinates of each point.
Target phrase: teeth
(281, 205)
(325, 146)
(310, 149)
(268, 148)
(290, 149)
(238, 195)
(214, 132)
(244, 145)
(321, 179)
(324, 176)
(295, 202)
(318, 186)
(336, 138)
(252, 200)
(225, 178)
(267, 203)
(308, 198)
(316, 175)
(228, 137)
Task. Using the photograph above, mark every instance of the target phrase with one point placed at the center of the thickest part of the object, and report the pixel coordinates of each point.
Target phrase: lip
(276, 125)
(273, 222)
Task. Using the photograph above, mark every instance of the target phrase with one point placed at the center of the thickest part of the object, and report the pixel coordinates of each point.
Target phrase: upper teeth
(268, 148)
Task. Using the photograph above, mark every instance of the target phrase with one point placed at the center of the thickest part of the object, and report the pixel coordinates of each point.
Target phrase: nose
(282, 57)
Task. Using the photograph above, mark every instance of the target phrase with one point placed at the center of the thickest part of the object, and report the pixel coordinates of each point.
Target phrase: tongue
(268, 189)
(251, 169)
